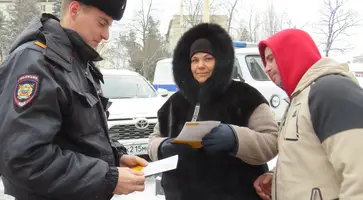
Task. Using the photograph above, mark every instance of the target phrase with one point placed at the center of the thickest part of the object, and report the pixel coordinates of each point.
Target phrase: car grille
(124, 132)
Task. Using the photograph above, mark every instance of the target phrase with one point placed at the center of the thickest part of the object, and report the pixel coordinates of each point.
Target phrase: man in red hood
(322, 128)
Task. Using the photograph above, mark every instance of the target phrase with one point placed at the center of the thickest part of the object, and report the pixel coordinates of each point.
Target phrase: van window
(126, 86)
(255, 66)
(237, 73)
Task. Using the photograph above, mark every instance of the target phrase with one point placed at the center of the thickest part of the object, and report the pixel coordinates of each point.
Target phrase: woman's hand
(220, 139)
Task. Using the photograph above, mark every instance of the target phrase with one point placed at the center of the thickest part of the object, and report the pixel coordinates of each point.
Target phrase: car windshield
(126, 86)
(255, 66)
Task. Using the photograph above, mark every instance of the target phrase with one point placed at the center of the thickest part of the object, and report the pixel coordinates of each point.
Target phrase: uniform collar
(86, 52)
(62, 44)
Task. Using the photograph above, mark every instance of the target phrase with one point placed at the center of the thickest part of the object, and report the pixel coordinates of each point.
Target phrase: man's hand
(132, 161)
(263, 185)
(129, 181)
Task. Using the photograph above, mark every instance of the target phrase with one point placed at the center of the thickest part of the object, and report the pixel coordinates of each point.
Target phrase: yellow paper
(191, 124)
(138, 168)
(193, 144)
(193, 133)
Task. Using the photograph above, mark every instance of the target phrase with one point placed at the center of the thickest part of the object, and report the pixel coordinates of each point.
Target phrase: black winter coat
(54, 136)
(200, 175)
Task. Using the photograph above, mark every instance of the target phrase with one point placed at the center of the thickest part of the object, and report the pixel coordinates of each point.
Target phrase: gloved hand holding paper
(193, 132)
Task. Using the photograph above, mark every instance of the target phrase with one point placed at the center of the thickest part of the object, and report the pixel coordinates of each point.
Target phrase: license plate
(136, 149)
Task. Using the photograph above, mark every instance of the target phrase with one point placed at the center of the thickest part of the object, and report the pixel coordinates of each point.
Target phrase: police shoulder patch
(26, 89)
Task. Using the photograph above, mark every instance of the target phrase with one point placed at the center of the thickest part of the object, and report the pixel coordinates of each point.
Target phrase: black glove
(221, 139)
(168, 149)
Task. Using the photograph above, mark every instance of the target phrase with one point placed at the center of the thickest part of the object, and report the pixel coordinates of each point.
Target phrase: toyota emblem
(142, 124)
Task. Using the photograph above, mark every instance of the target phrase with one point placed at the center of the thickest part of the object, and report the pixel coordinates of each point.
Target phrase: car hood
(135, 107)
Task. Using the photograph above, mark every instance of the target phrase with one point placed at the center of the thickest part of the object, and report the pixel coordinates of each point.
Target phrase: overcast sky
(300, 11)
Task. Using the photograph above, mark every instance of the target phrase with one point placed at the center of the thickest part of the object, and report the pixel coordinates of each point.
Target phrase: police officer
(54, 136)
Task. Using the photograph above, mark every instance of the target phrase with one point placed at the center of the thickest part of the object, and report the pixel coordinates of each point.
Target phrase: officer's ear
(74, 9)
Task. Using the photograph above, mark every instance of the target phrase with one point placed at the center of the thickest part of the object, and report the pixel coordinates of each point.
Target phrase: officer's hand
(263, 185)
(129, 181)
(221, 139)
(168, 149)
(132, 161)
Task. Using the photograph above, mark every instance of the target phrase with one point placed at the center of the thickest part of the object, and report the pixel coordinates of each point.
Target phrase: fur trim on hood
(223, 52)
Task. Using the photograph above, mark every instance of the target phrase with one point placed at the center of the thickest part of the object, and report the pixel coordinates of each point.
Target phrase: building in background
(44, 6)
(175, 30)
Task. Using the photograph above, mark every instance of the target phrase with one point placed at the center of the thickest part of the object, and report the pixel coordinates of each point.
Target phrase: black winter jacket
(54, 136)
(199, 174)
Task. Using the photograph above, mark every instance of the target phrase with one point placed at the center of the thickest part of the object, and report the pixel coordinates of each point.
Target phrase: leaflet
(159, 166)
(193, 132)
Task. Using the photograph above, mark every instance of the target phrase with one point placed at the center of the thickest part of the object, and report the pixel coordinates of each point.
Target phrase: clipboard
(193, 133)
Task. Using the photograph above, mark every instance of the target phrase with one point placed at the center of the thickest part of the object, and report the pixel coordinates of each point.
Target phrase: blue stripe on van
(169, 87)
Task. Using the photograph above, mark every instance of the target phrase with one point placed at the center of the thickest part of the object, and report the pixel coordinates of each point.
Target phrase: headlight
(275, 101)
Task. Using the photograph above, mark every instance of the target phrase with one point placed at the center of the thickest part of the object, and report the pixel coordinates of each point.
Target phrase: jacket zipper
(283, 125)
(196, 112)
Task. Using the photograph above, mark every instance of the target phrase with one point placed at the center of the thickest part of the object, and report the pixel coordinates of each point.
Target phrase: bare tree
(193, 12)
(144, 43)
(3, 36)
(258, 26)
(56, 8)
(271, 20)
(336, 21)
(230, 8)
(20, 13)
(112, 53)
(254, 24)
(274, 22)
(142, 20)
(244, 35)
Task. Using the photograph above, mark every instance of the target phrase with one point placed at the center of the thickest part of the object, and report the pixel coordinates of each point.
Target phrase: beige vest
(303, 171)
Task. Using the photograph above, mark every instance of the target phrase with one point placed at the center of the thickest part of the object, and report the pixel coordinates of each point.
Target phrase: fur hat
(221, 46)
(113, 8)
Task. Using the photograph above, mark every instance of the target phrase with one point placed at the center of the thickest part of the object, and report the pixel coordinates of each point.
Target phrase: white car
(133, 112)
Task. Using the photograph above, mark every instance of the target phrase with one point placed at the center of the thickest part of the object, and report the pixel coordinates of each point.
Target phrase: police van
(248, 68)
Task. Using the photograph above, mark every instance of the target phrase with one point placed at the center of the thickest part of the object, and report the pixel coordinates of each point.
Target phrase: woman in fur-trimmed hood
(234, 153)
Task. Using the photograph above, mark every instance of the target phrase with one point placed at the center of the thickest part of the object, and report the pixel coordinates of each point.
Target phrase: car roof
(166, 60)
(119, 72)
(247, 51)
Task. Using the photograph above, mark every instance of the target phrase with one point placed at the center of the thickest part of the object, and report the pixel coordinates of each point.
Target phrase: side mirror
(163, 92)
